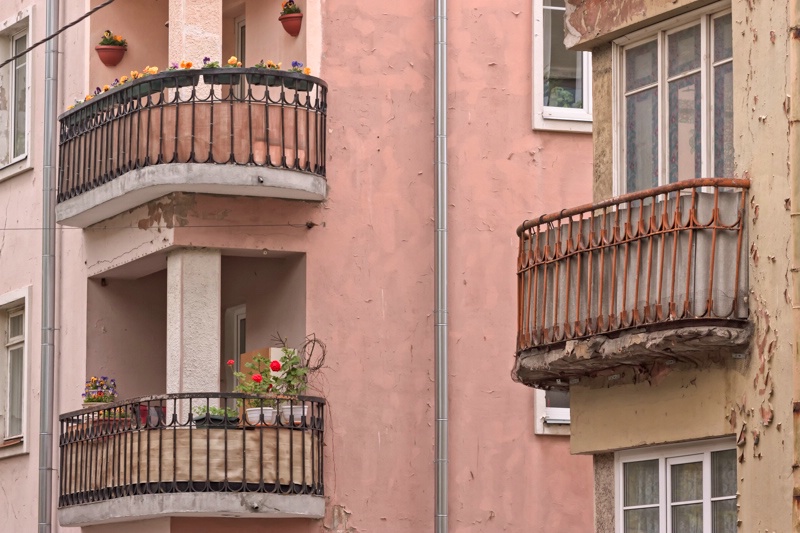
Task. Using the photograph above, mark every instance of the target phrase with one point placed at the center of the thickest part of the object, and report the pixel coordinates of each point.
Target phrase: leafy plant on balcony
(202, 410)
(288, 7)
(100, 390)
(111, 39)
(256, 381)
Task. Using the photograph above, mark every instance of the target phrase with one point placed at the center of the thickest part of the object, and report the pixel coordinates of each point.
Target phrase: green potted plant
(186, 79)
(256, 381)
(99, 391)
(210, 416)
(221, 78)
(291, 381)
(111, 48)
(301, 85)
(291, 18)
(264, 79)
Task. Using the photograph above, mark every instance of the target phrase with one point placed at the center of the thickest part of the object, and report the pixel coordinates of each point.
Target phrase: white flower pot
(299, 411)
(253, 415)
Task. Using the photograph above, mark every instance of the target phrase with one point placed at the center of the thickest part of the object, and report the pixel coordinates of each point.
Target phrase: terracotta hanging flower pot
(110, 55)
(291, 23)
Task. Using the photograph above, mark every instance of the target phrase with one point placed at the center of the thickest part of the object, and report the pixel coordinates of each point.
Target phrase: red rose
(275, 366)
(230, 362)
(257, 378)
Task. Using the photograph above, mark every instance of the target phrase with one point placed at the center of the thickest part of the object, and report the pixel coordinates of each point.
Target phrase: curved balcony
(183, 455)
(232, 131)
(653, 277)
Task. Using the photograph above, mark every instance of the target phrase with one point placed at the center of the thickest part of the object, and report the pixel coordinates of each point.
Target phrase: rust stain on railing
(668, 253)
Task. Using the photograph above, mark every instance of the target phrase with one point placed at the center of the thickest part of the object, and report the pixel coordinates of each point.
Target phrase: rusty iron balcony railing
(233, 116)
(190, 443)
(667, 255)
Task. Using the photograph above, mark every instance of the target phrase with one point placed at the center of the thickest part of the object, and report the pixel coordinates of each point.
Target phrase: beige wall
(266, 38)
(752, 399)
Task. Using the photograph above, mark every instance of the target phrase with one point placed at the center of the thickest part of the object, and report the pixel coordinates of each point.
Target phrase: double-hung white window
(15, 83)
(675, 101)
(562, 79)
(13, 371)
(687, 489)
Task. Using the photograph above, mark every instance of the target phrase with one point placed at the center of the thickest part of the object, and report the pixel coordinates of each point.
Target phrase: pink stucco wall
(368, 269)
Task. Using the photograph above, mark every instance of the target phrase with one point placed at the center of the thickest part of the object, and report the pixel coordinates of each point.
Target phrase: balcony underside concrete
(195, 505)
(137, 187)
(554, 366)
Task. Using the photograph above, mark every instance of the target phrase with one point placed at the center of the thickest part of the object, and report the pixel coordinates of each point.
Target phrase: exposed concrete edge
(195, 505)
(696, 345)
(140, 186)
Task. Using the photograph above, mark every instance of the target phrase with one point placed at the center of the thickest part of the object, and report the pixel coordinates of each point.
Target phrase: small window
(15, 354)
(551, 411)
(677, 489)
(676, 103)
(562, 86)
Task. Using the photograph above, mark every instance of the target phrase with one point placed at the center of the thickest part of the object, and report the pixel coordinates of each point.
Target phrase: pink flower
(257, 378)
(230, 362)
(275, 366)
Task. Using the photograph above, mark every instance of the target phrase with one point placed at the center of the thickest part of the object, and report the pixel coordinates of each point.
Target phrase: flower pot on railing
(184, 80)
(263, 79)
(221, 79)
(291, 23)
(110, 55)
(145, 89)
(299, 85)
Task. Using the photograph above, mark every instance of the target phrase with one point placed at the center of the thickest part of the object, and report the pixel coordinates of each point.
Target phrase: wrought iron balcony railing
(234, 116)
(190, 443)
(664, 256)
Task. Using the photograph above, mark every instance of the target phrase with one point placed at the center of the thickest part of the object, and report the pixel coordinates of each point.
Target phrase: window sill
(16, 168)
(553, 124)
(13, 447)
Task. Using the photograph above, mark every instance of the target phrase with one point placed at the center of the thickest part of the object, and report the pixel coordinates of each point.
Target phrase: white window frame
(557, 118)
(666, 456)
(549, 420)
(659, 32)
(10, 303)
(11, 29)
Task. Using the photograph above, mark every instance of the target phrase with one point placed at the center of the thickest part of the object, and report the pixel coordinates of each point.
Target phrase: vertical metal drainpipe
(48, 274)
(440, 265)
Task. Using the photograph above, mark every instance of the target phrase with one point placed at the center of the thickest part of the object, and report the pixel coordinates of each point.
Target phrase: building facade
(202, 213)
(668, 307)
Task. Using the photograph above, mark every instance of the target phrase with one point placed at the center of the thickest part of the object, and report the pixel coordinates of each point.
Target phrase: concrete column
(193, 320)
(195, 30)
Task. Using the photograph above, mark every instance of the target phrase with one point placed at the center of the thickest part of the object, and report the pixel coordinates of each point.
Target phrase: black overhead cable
(65, 28)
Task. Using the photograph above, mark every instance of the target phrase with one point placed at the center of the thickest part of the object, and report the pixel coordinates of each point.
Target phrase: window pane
(723, 473)
(687, 482)
(20, 81)
(723, 120)
(641, 483)
(563, 69)
(684, 128)
(557, 398)
(554, 3)
(683, 50)
(15, 392)
(15, 323)
(723, 38)
(641, 144)
(641, 65)
(723, 516)
(687, 518)
(641, 520)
